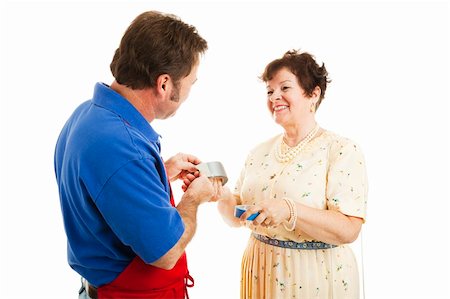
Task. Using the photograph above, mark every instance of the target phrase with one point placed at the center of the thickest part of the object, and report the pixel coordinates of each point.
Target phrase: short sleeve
(136, 205)
(238, 186)
(347, 179)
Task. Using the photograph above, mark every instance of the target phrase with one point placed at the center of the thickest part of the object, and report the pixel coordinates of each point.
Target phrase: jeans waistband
(293, 245)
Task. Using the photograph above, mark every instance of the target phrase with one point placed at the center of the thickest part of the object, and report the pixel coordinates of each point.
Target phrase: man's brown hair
(156, 44)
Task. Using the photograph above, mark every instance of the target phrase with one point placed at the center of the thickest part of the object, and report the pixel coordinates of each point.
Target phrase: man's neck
(143, 100)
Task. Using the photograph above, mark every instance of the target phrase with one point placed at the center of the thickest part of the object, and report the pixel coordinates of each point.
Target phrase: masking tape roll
(213, 170)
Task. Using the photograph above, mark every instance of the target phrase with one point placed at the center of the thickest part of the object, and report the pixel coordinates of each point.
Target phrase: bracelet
(292, 215)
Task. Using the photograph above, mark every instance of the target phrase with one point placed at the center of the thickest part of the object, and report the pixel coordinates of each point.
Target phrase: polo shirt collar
(107, 98)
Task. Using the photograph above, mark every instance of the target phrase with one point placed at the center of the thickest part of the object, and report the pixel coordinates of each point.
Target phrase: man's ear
(163, 83)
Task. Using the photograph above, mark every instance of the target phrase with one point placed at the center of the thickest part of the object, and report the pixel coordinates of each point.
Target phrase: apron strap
(188, 283)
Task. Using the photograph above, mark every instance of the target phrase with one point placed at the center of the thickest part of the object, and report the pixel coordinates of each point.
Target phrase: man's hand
(216, 182)
(188, 178)
(181, 165)
(201, 190)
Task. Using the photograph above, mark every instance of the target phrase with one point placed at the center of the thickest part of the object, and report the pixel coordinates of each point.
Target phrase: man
(125, 236)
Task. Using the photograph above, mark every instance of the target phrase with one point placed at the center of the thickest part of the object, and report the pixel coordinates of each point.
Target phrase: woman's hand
(225, 205)
(272, 213)
(219, 190)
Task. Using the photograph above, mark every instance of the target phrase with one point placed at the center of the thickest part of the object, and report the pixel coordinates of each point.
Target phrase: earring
(313, 107)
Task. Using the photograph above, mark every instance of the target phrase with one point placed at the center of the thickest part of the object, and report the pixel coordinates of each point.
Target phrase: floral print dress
(329, 173)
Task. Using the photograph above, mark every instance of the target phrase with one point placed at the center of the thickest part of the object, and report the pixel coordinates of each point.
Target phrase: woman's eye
(269, 93)
(285, 88)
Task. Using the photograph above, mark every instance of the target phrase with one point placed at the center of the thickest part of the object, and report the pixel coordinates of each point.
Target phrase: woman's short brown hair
(303, 65)
(156, 44)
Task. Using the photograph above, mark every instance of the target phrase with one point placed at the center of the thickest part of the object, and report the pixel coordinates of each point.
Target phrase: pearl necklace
(285, 153)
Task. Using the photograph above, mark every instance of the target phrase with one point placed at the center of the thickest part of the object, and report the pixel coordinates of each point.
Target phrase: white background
(389, 62)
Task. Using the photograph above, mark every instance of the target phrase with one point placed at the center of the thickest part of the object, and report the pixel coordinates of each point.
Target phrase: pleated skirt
(270, 272)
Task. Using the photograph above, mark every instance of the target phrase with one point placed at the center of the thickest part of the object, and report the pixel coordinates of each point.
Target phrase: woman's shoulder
(263, 148)
(266, 145)
(339, 144)
(334, 138)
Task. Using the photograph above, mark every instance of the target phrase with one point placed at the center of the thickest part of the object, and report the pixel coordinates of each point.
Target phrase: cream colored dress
(329, 173)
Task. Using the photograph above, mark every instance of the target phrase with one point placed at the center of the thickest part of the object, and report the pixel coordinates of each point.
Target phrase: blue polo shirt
(114, 192)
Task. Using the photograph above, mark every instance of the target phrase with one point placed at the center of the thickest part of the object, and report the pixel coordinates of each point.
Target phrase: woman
(309, 186)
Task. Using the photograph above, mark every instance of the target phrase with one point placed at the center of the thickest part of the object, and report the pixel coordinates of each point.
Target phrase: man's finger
(184, 165)
(191, 158)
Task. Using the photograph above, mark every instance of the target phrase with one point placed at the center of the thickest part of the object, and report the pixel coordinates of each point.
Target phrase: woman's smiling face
(286, 99)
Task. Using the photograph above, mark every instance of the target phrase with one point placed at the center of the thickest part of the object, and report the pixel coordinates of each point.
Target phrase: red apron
(140, 280)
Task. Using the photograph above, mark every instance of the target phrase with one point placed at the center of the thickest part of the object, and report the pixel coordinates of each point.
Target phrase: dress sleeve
(238, 186)
(347, 179)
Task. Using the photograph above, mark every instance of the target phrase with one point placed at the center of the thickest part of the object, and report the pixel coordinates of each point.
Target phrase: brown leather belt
(91, 290)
